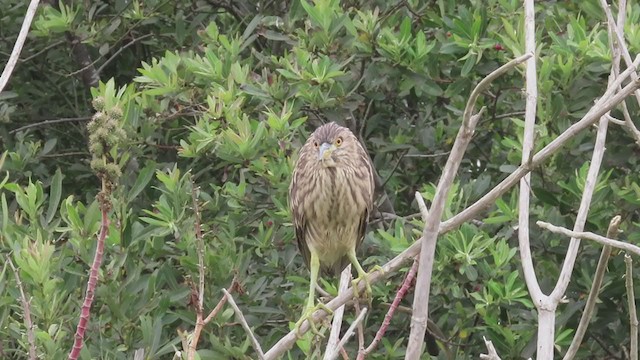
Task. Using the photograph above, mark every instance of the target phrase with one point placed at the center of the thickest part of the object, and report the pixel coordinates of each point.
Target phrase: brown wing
(299, 222)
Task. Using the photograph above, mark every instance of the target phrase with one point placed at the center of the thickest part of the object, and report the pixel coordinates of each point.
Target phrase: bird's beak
(325, 150)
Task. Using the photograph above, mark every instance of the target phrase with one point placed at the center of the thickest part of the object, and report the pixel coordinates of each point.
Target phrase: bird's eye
(315, 144)
(339, 141)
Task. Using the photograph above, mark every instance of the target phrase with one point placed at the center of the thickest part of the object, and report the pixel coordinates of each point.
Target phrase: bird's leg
(314, 265)
(362, 275)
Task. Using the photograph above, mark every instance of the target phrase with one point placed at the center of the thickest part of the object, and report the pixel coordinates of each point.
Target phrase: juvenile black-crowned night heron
(331, 197)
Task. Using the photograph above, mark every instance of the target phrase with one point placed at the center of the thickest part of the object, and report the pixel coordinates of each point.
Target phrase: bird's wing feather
(299, 222)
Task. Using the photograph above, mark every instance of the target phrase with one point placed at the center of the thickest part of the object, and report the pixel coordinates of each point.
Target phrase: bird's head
(332, 144)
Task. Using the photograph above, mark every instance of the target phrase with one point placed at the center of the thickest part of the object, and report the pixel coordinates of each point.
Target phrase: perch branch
(432, 224)
(595, 290)
(631, 300)
(590, 236)
(26, 306)
(17, 48)
(243, 321)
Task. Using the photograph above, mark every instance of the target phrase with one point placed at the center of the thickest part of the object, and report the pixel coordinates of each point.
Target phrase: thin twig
(109, 60)
(351, 329)
(49, 122)
(406, 285)
(17, 48)
(595, 290)
(243, 321)
(26, 306)
(590, 236)
(193, 344)
(631, 301)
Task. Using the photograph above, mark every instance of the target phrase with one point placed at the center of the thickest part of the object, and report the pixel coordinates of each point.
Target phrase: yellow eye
(339, 141)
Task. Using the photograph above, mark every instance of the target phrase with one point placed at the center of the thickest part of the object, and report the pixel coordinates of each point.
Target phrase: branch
(590, 236)
(432, 224)
(602, 106)
(49, 122)
(243, 321)
(406, 285)
(336, 323)
(26, 306)
(351, 330)
(631, 300)
(493, 354)
(593, 294)
(527, 148)
(193, 344)
(91, 285)
(17, 48)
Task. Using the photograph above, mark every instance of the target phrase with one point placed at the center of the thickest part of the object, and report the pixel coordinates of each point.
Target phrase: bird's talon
(376, 268)
(308, 315)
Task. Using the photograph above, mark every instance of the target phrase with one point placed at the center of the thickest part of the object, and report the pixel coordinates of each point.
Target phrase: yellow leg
(310, 308)
(362, 275)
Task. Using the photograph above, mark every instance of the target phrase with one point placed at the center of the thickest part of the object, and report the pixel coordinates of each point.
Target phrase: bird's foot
(376, 268)
(355, 282)
(308, 316)
(365, 277)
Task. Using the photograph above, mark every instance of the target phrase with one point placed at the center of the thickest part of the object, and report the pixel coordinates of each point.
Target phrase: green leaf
(55, 193)
(143, 179)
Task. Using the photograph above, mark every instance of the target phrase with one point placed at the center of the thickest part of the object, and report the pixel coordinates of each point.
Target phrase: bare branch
(527, 149)
(334, 336)
(432, 224)
(243, 321)
(593, 294)
(49, 122)
(26, 306)
(193, 344)
(350, 331)
(590, 236)
(631, 301)
(17, 48)
(406, 285)
(493, 354)
(422, 206)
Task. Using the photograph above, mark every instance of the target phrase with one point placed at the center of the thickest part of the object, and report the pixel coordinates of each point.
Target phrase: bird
(331, 196)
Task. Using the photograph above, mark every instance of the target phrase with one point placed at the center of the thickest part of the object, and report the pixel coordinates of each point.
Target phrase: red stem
(91, 287)
(406, 285)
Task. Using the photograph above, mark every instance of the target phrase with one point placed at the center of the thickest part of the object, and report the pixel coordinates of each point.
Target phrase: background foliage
(224, 93)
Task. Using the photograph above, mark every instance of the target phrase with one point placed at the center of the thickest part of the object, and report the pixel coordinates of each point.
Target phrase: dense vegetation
(219, 95)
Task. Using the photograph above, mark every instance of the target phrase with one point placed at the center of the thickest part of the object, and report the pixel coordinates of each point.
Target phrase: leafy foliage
(224, 93)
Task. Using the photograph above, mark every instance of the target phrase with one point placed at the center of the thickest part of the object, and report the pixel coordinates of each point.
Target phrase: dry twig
(245, 325)
(593, 294)
(26, 306)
